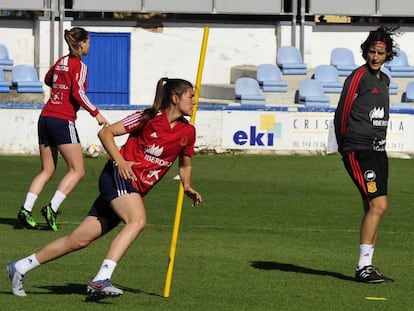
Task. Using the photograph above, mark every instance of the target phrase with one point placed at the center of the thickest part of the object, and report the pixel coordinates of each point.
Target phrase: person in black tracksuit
(361, 121)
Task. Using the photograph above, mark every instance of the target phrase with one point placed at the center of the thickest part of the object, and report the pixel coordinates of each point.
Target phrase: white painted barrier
(274, 130)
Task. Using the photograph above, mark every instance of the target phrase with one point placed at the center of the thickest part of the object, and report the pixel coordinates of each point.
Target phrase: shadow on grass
(13, 222)
(80, 289)
(271, 265)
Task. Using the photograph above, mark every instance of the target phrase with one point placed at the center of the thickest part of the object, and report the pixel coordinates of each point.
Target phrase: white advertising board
(299, 131)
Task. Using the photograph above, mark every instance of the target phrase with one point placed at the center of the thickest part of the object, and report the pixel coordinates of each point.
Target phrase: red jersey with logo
(67, 78)
(155, 145)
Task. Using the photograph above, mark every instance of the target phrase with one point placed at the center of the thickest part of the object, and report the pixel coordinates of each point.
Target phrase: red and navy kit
(67, 78)
(362, 115)
(155, 145)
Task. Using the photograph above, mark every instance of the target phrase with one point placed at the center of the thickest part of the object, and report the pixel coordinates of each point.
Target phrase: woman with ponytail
(157, 137)
(57, 131)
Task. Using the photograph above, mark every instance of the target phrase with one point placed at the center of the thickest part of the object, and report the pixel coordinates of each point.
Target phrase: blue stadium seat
(344, 61)
(248, 92)
(310, 93)
(25, 79)
(290, 61)
(393, 86)
(4, 84)
(5, 62)
(328, 76)
(399, 66)
(408, 95)
(270, 78)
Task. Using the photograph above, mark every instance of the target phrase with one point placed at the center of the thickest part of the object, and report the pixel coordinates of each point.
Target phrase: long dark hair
(166, 88)
(383, 34)
(74, 37)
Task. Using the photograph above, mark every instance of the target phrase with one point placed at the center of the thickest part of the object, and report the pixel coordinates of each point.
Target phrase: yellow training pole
(180, 198)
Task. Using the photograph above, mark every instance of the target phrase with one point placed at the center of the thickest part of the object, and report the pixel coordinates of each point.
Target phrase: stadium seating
(393, 86)
(25, 79)
(408, 94)
(328, 76)
(270, 78)
(310, 93)
(344, 61)
(290, 62)
(247, 91)
(399, 66)
(5, 62)
(4, 84)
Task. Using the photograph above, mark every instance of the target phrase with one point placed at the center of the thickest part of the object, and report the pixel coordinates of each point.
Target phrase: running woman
(157, 136)
(361, 121)
(57, 131)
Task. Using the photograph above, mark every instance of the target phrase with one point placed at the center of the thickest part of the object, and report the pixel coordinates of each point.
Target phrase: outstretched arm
(185, 176)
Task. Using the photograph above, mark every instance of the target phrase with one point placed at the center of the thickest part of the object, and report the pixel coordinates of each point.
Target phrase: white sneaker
(103, 288)
(16, 280)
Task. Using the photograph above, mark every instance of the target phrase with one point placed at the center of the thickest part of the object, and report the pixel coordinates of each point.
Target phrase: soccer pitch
(274, 233)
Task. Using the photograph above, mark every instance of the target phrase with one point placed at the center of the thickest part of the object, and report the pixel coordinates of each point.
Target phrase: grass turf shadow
(16, 224)
(271, 265)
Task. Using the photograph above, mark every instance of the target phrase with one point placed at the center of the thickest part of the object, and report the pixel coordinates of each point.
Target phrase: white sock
(30, 201)
(366, 252)
(57, 200)
(106, 270)
(26, 264)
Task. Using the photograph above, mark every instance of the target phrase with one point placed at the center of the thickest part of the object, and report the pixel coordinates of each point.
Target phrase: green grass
(273, 233)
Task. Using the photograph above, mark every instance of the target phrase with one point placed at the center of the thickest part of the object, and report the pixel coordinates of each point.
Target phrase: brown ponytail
(166, 88)
(74, 37)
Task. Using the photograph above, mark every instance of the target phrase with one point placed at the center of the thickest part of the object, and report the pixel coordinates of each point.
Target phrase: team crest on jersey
(184, 141)
(372, 186)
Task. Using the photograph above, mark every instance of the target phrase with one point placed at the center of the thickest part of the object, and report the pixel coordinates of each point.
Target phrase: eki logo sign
(262, 135)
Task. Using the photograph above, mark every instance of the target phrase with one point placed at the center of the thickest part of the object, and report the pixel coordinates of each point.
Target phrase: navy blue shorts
(111, 186)
(55, 132)
(369, 172)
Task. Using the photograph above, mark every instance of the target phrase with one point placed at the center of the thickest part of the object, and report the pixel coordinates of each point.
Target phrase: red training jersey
(155, 145)
(67, 78)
